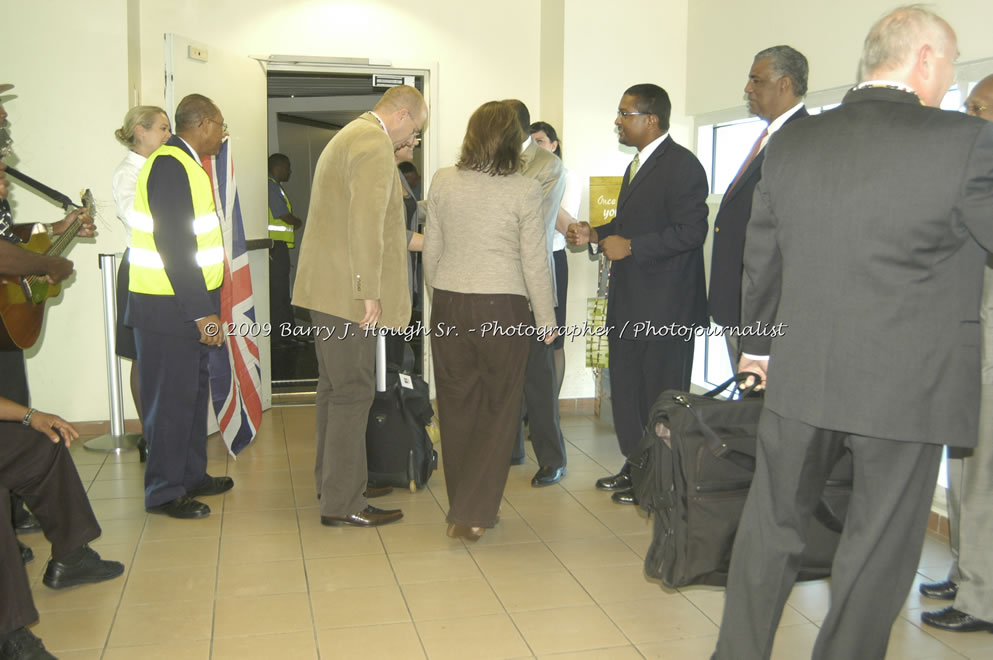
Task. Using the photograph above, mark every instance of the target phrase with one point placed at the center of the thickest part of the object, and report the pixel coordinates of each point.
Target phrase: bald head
(404, 113)
(980, 101)
(914, 46)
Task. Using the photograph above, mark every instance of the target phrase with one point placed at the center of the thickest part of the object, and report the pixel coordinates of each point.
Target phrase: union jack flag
(235, 374)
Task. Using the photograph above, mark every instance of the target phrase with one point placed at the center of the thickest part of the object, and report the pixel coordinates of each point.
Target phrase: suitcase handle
(737, 380)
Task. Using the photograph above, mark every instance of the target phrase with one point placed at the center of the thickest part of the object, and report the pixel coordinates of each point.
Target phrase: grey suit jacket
(867, 239)
(547, 168)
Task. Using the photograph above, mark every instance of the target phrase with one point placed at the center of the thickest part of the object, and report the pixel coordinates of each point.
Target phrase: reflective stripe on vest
(280, 230)
(148, 274)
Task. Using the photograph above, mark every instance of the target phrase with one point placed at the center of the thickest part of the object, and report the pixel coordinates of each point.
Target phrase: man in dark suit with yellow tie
(777, 83)
(657, 293)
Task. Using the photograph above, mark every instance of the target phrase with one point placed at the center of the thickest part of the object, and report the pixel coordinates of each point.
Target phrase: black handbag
(692, 470)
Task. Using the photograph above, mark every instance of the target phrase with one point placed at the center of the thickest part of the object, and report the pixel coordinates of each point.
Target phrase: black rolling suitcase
(693, 469)
(398, 449)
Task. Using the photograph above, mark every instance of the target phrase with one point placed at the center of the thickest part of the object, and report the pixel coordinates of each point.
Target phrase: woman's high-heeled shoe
(468, 533)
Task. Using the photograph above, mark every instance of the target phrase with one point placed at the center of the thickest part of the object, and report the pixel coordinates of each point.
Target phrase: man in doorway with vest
(177, 267)
(282, 222)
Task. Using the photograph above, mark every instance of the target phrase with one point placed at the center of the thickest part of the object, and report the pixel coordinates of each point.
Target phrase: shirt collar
(650, 148)
(526, 144)
(379, 119)
(778, 122)
(887, 83)
(196, 156)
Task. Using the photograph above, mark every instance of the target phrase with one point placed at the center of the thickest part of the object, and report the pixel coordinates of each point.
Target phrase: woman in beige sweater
(484, 259)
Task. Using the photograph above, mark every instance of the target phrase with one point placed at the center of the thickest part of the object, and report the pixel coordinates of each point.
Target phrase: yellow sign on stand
(604, 191)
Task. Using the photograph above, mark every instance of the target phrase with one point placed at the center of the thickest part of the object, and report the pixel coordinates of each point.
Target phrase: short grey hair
(895, 37)
(789, 62)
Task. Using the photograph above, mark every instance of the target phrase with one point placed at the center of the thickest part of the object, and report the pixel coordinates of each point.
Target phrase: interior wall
(724, 37)
(69, 62)
(602, 57)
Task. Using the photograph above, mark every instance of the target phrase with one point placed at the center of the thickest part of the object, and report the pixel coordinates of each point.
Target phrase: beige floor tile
(540, 591)
(794, 642)
(262, 480)
(238, 580)
(568, 629)
(567, 527)
(450, 599)
(87, 473)
(111, 471)
(101, 490)
(592, 553)
(625, 520)
(481, 638)
(509, 531)
(455, 564)
(615, 653)
(75, 629)
(397, 641)
(121, 507)
(404, 537)
(175, 553)
(257, 500)
(639, 543)
(116, 532)
(811, 599)
(86, 654)
(160, 585)
(968, 644)
(320, 541)
(695, 647)
(250, 523)
(83, 456)
(614, 584)
(104, 594)
(368, 606)
(250, 461)
(262, 615)
(330, 573)
(162, 528)
(422, 511)
(151, 625)
(910, 642)
(657, 620)
(515, 559)
(260, 548)
(196, 650)
(295, 646)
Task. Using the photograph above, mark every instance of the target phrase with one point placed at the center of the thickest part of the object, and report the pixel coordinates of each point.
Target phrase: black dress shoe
(547, 476)
(21, 644)
(83, 566)
(142, 446)
(212, 486)
(624, 497)
(620, 481)
(27, 525)
(182, 507)
(27, 556)
(374, 491)
(940, 590)
(367, 517)
(955, 620)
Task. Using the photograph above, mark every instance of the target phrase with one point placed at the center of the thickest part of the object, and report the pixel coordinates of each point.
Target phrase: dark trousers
(479, 381)
(14, 386)
(43, 473)
(639, 372)
(173, 376)
(280, 311)
(876, 559)
(346, 387)
(541, 403)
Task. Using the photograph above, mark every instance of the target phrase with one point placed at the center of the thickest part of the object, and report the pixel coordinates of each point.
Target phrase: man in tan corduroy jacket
(352, 275)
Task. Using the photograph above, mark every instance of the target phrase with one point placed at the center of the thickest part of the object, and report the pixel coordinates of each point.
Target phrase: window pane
(732, 143)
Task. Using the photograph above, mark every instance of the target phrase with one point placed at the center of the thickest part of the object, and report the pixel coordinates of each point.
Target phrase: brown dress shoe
(367, 517)
(463, 532)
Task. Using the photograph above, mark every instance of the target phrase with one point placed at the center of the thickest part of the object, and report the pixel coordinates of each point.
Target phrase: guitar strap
(51, 193)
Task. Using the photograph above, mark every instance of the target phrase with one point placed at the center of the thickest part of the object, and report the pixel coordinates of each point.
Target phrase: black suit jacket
(724, 297)
(664, 213)
(171, 204)
(867, 239)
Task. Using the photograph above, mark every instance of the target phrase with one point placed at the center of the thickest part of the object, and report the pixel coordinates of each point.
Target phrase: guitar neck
(62, 241)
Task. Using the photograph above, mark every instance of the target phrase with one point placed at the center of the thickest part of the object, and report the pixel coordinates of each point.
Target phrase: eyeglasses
(416, 137)
(622, 113)
(222, 124)
(975, 108)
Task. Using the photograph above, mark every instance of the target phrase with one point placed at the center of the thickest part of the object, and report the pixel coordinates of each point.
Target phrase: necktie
(751, 156)
(635, 164)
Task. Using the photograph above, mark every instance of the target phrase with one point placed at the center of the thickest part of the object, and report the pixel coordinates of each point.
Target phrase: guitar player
(18, 261)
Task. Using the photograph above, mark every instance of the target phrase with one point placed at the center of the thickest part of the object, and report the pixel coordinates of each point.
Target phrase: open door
(237, 84)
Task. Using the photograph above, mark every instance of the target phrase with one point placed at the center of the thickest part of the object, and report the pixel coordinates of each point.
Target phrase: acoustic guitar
(22, 299)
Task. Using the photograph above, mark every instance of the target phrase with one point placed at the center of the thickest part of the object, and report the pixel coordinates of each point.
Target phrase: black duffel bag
(692, 470)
